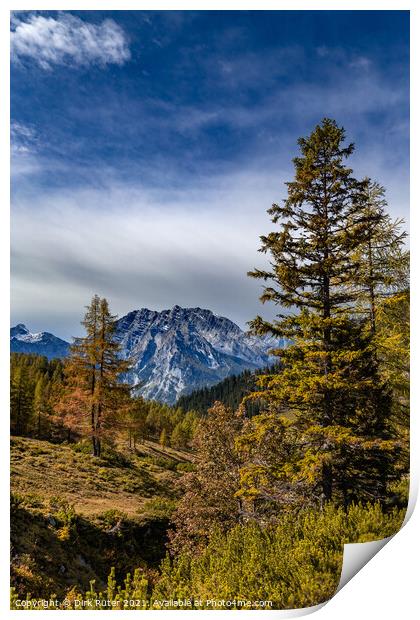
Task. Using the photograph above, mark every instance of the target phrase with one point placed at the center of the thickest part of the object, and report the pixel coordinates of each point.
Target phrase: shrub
(185, 467)
(295, 563)
(111, 517)
(161, 461)
(158, 508)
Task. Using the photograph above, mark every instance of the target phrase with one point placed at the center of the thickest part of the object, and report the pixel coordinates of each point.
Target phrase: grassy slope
(114, 523)
(122, 480)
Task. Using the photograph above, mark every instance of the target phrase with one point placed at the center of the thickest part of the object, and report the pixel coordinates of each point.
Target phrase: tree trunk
(372, 291)
(93, 427)
(327, 476)
(327, 484)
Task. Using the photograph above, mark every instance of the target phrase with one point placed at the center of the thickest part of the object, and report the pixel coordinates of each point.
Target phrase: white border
(344, 604)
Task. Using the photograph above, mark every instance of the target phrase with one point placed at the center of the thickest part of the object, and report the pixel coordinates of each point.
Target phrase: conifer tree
(329, 384)
(135, 421)
(392, 348)
(35, 385)
(40, 402)
(21, 400)
(381, 257)
(94, 368)
(163, 438)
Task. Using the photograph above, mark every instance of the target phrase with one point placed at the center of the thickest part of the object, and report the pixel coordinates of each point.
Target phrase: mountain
(42, 343)
(179, 350)
(174, 351)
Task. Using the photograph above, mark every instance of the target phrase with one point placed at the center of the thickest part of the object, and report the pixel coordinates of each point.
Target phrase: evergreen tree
(179, 436)
(136, 421)
(40, 402)
(329, 384)
(35, 385)
(163, 439)
(95, 394)
(392, 347)
(230, 391)
(381, 257)
(21, 401)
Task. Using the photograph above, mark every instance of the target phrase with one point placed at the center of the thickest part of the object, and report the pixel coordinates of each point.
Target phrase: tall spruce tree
(329, 385)
(95, 394)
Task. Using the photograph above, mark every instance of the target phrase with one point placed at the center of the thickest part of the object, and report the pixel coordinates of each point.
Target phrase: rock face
(173, 352)
(42, 343)
(176, 351)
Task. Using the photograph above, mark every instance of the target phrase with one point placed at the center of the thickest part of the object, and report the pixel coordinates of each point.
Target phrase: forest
(242, 494)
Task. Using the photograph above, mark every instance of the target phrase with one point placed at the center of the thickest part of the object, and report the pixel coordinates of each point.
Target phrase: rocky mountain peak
(174, 351)
(181, 349)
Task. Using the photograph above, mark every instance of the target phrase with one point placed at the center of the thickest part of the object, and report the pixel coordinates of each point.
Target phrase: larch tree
(328, 384)
(392, 349)
(40, 402)
(209, 497)
(95, 392)
(382, 257)
(163, 438)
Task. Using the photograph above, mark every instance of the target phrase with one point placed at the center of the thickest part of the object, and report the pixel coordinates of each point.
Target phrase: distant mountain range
(42, 343)
(174, 351)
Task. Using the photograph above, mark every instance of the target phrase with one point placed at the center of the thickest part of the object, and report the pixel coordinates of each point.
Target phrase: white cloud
(151, 247)
(23, 138)
(67, 40)
(192, 247)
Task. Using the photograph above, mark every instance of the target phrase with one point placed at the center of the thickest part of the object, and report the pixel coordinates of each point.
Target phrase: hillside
(230, 392)
(74, 516)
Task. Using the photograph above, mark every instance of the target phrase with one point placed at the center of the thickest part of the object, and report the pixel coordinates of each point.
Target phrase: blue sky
(147, 146)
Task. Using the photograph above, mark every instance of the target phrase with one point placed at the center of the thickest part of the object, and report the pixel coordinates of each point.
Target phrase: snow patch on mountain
(40, 343)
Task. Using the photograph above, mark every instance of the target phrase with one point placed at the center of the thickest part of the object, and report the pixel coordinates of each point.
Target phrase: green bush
(185, 467)
(158, 508)
(295, 563)
(291, 564)
(161, 461)
(16, 501)
(109, 518)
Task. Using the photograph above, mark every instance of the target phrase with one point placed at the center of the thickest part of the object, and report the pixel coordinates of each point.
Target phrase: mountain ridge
(174, 351)
(40, 343)
(180, 349)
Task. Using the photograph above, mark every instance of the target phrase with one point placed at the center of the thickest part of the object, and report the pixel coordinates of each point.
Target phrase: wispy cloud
(23, 138)
(67, 40)
(80, 242)
(208, 238)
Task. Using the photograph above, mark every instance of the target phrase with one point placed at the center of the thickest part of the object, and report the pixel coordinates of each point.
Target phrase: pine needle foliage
(329, 384)
(95, 394)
